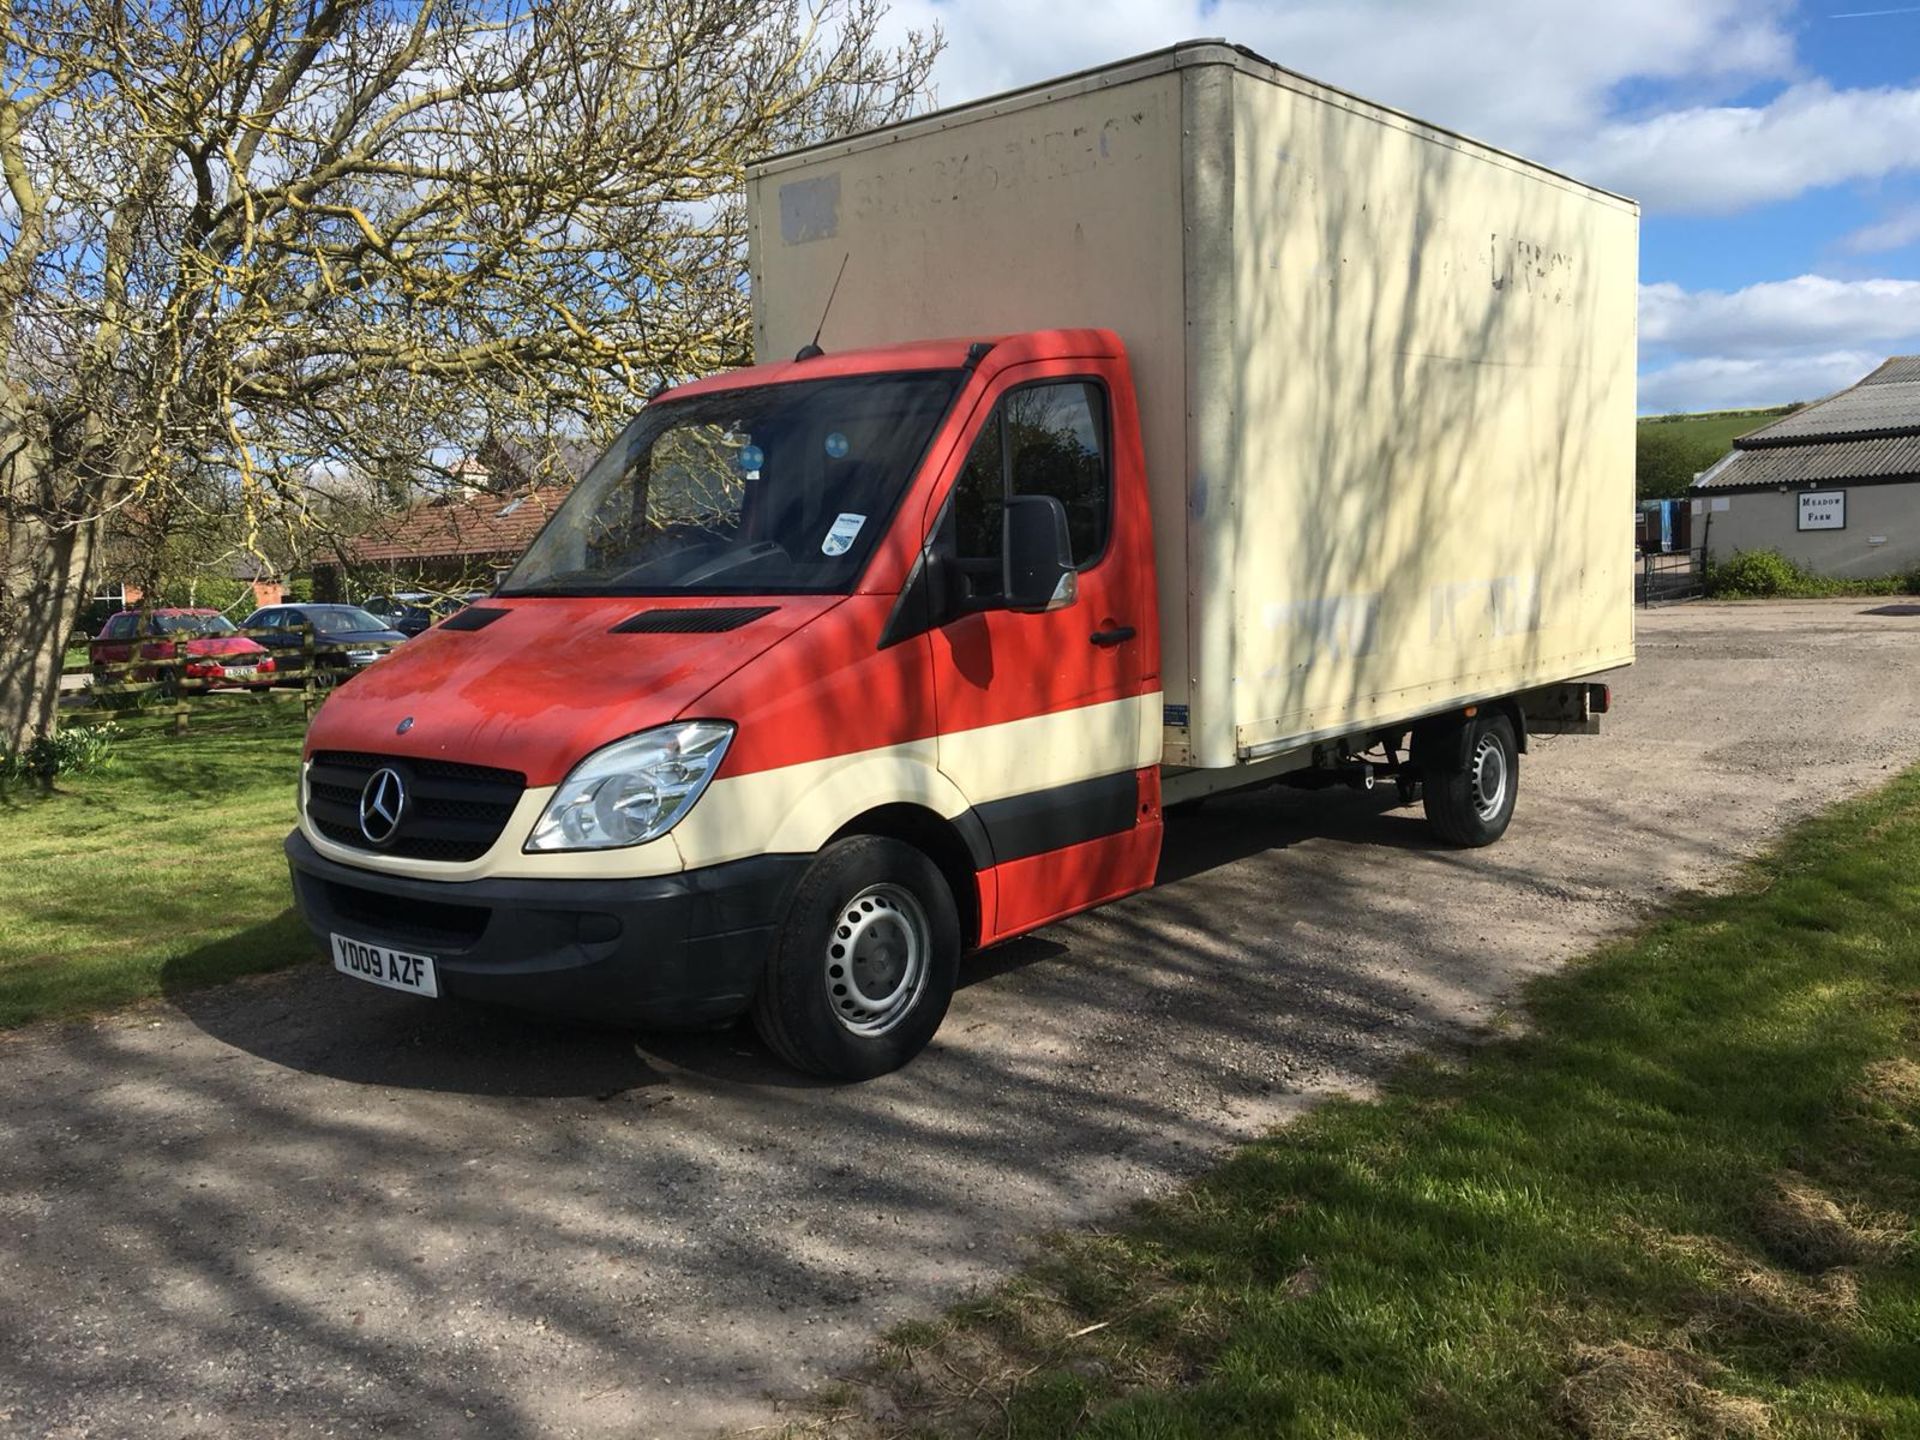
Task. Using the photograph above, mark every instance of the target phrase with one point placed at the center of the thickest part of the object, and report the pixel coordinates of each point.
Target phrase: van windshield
(774, 490)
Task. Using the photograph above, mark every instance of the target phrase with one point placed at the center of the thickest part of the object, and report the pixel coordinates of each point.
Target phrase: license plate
(395, 969)
(241, 672)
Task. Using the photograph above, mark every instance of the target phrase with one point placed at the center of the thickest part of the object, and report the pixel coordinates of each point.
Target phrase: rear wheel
(1469, 801)
(864, 966)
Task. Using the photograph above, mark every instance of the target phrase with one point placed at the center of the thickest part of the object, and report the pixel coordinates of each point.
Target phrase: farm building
(1834, 486)
(462, 540)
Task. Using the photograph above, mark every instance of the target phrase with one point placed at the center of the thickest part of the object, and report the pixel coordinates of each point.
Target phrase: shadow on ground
(328, 1025)
(320, 1208)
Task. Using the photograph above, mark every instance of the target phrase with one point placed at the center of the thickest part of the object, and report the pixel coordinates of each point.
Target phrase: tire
(887, 908)
(1471, 805)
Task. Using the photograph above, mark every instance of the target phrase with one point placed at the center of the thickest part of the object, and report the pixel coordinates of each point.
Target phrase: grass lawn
(150, 869)
(1680, 1202)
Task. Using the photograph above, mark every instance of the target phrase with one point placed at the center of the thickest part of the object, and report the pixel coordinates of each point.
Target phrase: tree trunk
(45, 568)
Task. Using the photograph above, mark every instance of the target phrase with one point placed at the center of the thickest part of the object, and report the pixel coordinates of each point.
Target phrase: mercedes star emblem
(382, 806)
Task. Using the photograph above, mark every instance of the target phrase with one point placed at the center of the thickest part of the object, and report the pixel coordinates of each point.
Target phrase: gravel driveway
(303, 1206)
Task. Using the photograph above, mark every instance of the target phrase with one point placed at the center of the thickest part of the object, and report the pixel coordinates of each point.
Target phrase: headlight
(635, 790)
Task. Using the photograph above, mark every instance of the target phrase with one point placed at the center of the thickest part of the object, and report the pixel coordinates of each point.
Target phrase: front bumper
(666, 950)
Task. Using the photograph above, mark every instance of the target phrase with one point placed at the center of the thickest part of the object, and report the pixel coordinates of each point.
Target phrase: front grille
(455, 812)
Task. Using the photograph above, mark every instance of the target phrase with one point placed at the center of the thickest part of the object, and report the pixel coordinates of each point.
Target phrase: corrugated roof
(482, 525)
(1893, 458)
(1887, 402)
(1899, 368)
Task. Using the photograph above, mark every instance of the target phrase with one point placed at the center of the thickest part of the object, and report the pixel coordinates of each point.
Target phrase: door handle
(1114, 636)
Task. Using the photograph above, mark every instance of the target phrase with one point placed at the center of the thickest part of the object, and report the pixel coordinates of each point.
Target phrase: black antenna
(811, 350)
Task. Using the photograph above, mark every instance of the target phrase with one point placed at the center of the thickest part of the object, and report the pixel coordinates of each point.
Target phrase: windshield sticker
(837, 445)
(841, 537)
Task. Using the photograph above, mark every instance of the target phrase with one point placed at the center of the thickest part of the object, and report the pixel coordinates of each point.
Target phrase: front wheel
(1471, 804)
(860, 975)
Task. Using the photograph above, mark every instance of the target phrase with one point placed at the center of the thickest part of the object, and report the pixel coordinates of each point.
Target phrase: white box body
(1386, 374)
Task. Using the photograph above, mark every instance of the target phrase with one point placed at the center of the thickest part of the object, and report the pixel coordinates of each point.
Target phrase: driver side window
(974, 526)
(1047, 439)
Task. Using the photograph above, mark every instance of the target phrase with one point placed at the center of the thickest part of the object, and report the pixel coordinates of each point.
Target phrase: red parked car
(214, 652)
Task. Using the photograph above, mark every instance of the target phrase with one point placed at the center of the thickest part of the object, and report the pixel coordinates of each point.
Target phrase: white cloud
(1637, 95)
(1726, 158)
(1781, 316)
(1536, 76)
(1770, 343)
(1541, 77)
(1522, 73)
(1723, 383)
(1896, 232)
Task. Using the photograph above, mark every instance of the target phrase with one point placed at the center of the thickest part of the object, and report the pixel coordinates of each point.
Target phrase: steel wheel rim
(1489, 777)
(876, 959)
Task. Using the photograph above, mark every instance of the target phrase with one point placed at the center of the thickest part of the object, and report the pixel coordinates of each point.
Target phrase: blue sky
(1774, 145)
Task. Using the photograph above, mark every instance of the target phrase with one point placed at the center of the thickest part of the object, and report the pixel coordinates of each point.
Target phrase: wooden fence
(160, 687)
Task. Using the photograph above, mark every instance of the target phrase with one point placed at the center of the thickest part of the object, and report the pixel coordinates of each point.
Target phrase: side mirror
(1036, 555)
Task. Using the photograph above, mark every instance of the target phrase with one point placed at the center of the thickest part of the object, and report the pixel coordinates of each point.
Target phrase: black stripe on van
(1043, 820)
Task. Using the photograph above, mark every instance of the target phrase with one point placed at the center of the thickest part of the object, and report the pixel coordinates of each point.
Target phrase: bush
(1769, 575)
(1760, 575)
(212, 592)
(73, 751)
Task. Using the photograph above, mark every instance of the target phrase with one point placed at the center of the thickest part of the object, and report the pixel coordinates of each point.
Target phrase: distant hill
(1674, 448)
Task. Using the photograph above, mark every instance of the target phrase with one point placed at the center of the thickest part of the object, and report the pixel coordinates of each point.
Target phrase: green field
(1714, 430)
(158, 872)
(1672, 449)
(1680, 1202)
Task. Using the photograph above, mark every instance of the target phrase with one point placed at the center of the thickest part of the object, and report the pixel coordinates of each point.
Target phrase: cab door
(1049, 722)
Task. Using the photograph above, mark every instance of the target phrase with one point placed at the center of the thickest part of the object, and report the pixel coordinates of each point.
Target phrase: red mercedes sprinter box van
(1285, 438)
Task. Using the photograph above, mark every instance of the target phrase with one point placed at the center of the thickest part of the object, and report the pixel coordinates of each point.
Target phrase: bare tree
(240, 239)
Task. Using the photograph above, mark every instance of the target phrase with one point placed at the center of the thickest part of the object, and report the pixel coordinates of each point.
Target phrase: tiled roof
(1886, 402)
(1893, 458)
(479, 525)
